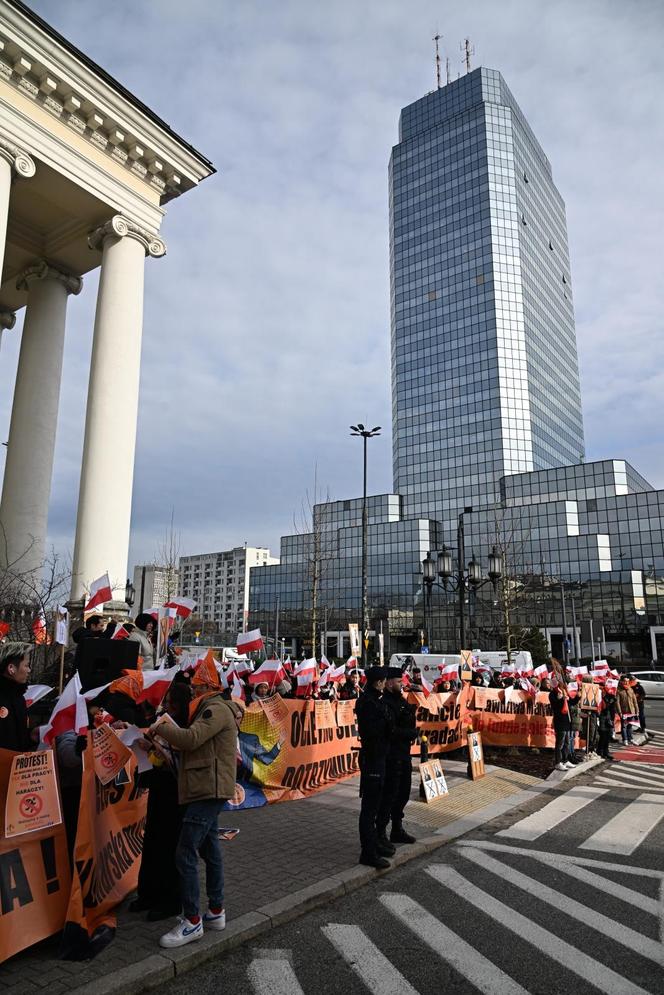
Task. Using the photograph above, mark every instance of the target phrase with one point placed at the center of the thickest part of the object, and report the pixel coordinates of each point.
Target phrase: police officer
(374, 724)
(398, 772)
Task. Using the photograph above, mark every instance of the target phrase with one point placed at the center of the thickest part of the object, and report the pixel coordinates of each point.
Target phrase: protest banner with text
(506, 717)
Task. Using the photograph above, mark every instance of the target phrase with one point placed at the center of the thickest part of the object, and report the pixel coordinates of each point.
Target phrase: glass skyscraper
(485, 377)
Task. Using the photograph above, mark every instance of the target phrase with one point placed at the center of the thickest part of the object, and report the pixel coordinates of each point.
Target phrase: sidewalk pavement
(287, 859)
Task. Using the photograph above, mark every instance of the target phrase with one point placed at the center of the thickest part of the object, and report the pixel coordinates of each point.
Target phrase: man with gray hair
(14, 676)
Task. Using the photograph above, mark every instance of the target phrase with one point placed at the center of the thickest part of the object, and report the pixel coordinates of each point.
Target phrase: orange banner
(522, 720)
(107, 853)
(34, 880)
(442, 718)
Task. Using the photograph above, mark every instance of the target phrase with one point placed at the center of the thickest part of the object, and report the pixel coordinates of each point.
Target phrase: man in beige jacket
(206, 779)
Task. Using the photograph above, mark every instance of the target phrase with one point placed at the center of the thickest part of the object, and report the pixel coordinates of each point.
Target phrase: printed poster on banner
(354, 636)
(324, 715)
(32, 801)
(346, 713)
(590, 697)
(275, 709)
(109, 754)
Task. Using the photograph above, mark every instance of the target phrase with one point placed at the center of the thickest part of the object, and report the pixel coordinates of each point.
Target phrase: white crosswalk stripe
(561, 808)
(564, 903)
(623, 777)
(629, 828)
(273, 976)
(376, 971)
(486, 977)
(592, 971)
(630, 785)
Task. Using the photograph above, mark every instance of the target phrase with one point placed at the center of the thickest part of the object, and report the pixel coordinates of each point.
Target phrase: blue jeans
(625, 731)
(199, 835)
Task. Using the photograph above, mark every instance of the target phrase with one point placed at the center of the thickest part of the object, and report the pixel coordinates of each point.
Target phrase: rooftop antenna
(447, 69)
(437, 37)
(468, 50)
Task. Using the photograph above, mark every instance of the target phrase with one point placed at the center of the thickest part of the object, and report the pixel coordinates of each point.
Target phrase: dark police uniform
(396, 790)
(374, 724)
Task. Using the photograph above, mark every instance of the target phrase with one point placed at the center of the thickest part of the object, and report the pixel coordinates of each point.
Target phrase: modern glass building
(486, 416)
(485, 377)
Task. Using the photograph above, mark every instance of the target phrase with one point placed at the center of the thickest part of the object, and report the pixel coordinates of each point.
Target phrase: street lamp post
(365, 433)
(463, 577)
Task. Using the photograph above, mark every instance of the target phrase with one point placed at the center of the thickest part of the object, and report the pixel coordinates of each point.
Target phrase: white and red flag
(577, 672)
(183, 606)
(526, 686)
(508, 670)
(100, 592)
(120, 632)
(448, 671)
(336, 674)
(324, 662)
(427, 686)
(271, 672)
(70, 712)
(541, 671)
(309, 666)
(600, 665)
(351, 663)
(247, 642)
(237, 690)
(305, 683)
(240, 668)
(36, 692)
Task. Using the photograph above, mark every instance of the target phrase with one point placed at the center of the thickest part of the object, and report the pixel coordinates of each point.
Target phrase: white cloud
(267, 324)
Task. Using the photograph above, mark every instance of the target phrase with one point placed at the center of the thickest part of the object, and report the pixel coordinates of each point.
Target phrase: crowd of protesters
(191, 741)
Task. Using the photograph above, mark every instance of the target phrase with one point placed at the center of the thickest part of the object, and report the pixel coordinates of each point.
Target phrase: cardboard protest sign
(466, 666)
(324, 715)
(34, 880)
(590, 697)
(275, 709)
(475, 755)
(33, 800)
(433, 780)
(109, 753)
(107, 857)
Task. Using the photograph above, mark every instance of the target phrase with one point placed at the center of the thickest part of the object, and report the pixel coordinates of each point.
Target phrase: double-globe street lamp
(460, 580)
(365, 433)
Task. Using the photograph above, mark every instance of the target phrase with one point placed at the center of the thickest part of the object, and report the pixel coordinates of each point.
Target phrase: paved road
(563, 895)
(655, 713)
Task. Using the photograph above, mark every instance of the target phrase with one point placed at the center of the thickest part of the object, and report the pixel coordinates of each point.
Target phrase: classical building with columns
(85, 172)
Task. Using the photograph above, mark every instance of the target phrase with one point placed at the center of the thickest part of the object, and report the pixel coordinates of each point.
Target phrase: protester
(351, 688)
(374, 725)
(143, 635)
(640, 695)
(627, 708)
(261, 690)
(206, 779)
(93, 629)
(559, 701)
(398, 766)
(14, 676)
(158, 890)
(607, 719)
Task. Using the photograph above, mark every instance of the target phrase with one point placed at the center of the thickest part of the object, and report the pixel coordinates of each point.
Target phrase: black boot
(373, 860)
(399, 834)
(383, 846)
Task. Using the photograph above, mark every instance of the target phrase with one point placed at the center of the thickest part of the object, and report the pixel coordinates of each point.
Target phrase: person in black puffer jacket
(374, 726)
(14, 676)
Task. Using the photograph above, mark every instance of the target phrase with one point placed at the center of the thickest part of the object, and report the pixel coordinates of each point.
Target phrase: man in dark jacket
(398, 769)
(14, 676)
(374, 726)
(562, 724)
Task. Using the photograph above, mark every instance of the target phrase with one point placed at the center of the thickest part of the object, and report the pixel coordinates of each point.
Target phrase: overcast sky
(266, 326)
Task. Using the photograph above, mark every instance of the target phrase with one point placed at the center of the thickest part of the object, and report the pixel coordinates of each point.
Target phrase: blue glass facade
(484, 367)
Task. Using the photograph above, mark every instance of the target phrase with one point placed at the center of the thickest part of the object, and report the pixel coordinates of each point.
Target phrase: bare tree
(510, 539)
(167, 558)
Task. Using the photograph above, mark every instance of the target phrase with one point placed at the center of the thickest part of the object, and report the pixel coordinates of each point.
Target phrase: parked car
(652, 682)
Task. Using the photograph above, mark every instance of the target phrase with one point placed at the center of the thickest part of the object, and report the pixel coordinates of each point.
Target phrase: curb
(558, 776)
(165, 965)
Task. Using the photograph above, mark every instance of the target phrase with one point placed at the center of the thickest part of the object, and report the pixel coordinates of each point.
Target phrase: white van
(428, 663)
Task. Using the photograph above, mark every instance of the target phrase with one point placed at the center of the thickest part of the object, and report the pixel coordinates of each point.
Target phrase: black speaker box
(102, 660)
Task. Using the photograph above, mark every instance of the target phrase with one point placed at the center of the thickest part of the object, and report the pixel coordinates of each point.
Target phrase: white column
(27, 482)
(12, 159)
(107, 471)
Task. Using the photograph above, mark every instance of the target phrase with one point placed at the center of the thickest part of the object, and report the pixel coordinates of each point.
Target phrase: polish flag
(324, 662)
(36, 692)
(526, 670)
(427, 686)
(324, 677)
(448, 671)
(577, 672)
(336, 674)
(237, 691)
(305, 683)
(541, 671)
(70, 713)
(309, 666)
(100, 592)
(247, 642)
(270, 672)
(526, 686)
(351, 663)
(508, 670)
(599, 676)
(611, 684)
(601, 665)
(120, 632)
(39, 629)
(140, 686)
(183, 606)
(573, 689)
(288, 666)
(240, 668)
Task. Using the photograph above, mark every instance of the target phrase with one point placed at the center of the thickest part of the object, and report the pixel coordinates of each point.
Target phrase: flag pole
(61, 679)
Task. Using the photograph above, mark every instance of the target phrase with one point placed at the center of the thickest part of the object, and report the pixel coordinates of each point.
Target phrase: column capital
(41, 270)
(7, 318)
(22, 163)
(121, 227)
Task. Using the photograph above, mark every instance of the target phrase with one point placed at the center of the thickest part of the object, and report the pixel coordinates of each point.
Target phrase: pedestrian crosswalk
(468, 889)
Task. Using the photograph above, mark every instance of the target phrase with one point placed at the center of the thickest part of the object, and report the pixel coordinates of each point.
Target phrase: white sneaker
(212, 921)
(569, 766)
(560, 766)
(184, 932)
